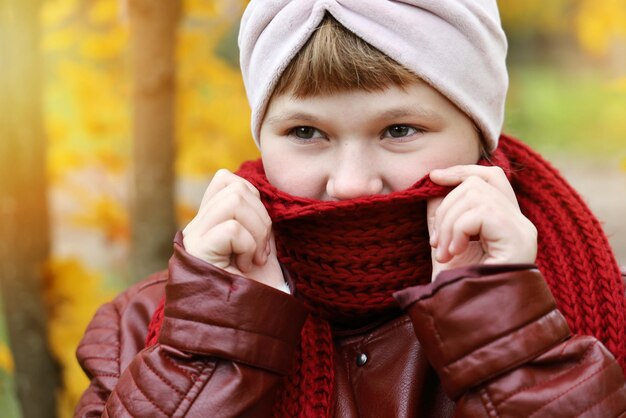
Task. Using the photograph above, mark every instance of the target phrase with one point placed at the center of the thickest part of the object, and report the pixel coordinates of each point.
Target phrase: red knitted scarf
(346, 259)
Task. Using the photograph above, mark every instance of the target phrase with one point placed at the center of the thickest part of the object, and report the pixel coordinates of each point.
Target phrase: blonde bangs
(336, 60)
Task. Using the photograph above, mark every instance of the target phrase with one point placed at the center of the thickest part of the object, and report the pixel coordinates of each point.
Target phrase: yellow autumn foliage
(60, 40)
(213, 127)
(6, 359)
(106, 214)
(201, 9)
(56, 11)
(600, 25)
(86, 94)
(87, 107)
(104, 12)
(544, 16)
(106, 45)
(73, 295)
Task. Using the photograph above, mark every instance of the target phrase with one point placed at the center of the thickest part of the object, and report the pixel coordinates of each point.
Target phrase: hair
(336, 60)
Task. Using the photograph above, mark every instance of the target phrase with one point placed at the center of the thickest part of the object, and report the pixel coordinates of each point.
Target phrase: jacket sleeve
(224, 345)
(502, 349)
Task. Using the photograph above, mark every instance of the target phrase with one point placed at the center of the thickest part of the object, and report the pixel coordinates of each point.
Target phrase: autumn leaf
(599, 25)
(6, 359)
(105, 45)
(55, 11)
(107, 214)
(104, 12)
(60, 40)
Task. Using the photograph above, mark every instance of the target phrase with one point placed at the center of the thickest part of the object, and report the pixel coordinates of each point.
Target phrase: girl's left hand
(479, 221)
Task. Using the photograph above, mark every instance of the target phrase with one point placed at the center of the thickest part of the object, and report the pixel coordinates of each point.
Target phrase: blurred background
(115, 114)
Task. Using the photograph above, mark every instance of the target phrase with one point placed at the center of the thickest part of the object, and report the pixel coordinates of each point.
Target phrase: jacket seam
(124, 308)
(102, 328)
(490, 408)
(579, 363)
(238, 360)
(569, 389)
(162, 379)
(98, 343)
(145, 395)
(226, 326)
(433, 326)
(107, 409)
(190, 375)
(199, 383)
(99, 374)
(87, 407)
(376, 336)
(119, 342)
(510, 331)
(100, 358)
(153, 282)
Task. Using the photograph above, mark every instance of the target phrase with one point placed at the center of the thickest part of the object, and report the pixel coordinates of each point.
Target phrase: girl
(380, 260)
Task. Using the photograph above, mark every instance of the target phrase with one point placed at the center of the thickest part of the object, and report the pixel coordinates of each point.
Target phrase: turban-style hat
(456, 46)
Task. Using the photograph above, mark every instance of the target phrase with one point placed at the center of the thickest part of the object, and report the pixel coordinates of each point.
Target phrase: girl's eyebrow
(390, 114)
(292, 116)
(415, 111)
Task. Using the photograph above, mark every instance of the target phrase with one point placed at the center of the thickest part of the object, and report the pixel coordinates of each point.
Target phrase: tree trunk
(24, 234)
(153, 27)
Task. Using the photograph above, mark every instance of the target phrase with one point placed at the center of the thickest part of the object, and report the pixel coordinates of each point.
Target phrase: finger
(227, 206)
(456, 175)
(225, 242)
(473, 192)
(446, 219)
(505, 235)
(234, 201)
(222, 179)
(431, 209)
(494, 209)
(466, 225)
(250, 214)
(238, 188)
(234, 196)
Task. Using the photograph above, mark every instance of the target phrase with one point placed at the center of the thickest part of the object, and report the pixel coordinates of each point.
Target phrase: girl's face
(360, 143)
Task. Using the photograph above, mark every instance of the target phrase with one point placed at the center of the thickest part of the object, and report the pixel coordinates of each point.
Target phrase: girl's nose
(353, 175)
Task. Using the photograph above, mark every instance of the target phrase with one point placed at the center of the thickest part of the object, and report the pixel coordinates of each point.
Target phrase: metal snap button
(361, 359)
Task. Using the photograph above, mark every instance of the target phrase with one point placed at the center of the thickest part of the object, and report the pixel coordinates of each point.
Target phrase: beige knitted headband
(457, 46)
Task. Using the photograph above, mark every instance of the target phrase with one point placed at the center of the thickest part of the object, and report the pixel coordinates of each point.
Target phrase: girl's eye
(305, 132)
(400, 131)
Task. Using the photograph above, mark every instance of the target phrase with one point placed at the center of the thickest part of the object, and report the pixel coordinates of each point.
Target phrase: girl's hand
(232, 230)
(479, 221)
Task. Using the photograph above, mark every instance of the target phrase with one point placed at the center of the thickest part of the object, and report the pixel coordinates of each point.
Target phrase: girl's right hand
(233, 231)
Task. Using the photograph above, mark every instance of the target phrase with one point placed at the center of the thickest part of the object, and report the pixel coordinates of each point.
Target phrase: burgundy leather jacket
(483, 341)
